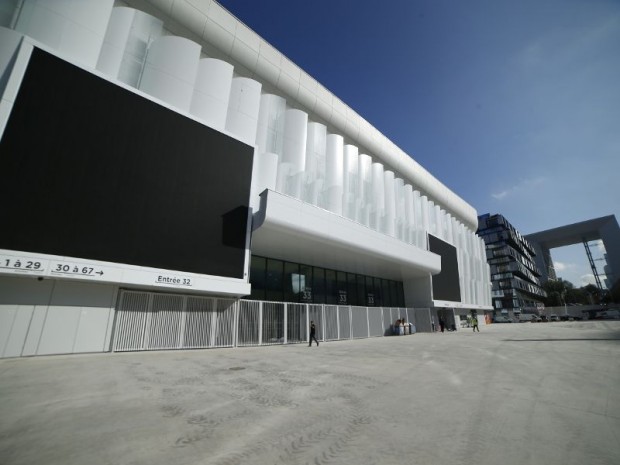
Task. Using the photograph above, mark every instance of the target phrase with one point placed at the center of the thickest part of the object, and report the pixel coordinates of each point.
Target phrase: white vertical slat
(344, 319)
(248, 327)
(260, 325)
(330, 323)
(182, 323)
(387, 318)
(285, 310)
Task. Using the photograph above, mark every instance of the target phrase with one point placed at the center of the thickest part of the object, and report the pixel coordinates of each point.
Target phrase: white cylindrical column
(316, 146)
(378, 197)
(418, 221)
(270, 130)
(389, 215)
(439, 222)
(425, 222)
(365, 199)
(334, 173)
(282, 177)
(127, 39)
(450, 225)
(409, 220)
(212, 92)
(264, 176)
(170, 70)
(350, 183)
(432, 218)
(243, 108)
(75, 29)
(294, 150)
(399, 198)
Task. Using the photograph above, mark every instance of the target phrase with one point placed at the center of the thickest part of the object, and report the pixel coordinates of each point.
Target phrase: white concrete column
(128, 36)
(170, 70)
(243, 108)
(409, 221)
(294, 150)
(378, 197)
(264, 176)
(350, 204)
(389, 216)
(400, 217)
(270, 130)
(212, 92)
(364, 189)
(418, 219)
(316, 147)
(74, 29)
(334, 173)
(426, 228)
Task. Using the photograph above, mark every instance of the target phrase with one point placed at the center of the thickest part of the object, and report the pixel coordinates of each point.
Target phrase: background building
(172, 180)
(605, 229)
(515, 277)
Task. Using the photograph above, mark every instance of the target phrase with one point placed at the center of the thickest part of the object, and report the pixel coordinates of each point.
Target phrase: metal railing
(153, 321)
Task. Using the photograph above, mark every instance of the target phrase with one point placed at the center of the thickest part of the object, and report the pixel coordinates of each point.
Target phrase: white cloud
(522, 185)
(559, 266)
(587, 279)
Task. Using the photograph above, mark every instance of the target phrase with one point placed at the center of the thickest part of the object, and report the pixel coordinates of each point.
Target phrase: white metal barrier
(152, 321)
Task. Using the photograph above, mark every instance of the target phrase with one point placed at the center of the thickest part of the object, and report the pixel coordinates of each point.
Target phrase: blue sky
(514, 105)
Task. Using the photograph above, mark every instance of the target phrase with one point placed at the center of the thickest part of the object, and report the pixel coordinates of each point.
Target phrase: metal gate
(152, 321)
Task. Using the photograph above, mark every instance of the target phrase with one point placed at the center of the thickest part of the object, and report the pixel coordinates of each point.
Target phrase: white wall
(40, 317)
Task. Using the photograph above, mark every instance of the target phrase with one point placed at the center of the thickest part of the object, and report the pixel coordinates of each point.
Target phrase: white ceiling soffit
(289, 229)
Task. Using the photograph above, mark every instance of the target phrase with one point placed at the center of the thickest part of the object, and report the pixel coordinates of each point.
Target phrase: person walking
(442, 324)
(312, 335)
(474, 322)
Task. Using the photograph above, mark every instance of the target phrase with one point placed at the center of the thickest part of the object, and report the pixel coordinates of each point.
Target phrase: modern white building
(171, 180)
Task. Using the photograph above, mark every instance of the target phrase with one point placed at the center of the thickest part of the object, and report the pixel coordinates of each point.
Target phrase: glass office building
(514, 275)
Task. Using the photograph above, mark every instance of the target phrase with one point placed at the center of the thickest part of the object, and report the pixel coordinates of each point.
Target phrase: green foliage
(613, 296)
(560, 292)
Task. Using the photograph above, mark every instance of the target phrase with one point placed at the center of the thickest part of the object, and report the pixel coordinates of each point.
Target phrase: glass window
(371, 299)
(352, 289)
(379, 301)
(306, 284)
(273, 280)
(401, 293)
(385, 291)
(361, 290)
(292, 282)
(341, 288)
(393, 294)
(257, 277)
(280, 281)
(331, 287)
(318, 285)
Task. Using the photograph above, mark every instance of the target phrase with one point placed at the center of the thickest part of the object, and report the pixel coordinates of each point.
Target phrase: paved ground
(545, 393)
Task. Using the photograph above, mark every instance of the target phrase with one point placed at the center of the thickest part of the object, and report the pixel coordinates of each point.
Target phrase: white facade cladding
(128, 37)
(327, 190)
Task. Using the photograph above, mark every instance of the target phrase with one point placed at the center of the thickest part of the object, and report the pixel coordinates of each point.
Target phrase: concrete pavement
(546, 393)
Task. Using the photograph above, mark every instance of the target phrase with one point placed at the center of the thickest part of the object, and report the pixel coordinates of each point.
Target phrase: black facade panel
(94, 171)
(445, 284)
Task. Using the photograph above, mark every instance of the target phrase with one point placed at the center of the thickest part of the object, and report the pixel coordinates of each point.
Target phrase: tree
(593, 294)
(614, 293)
(555, 292)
